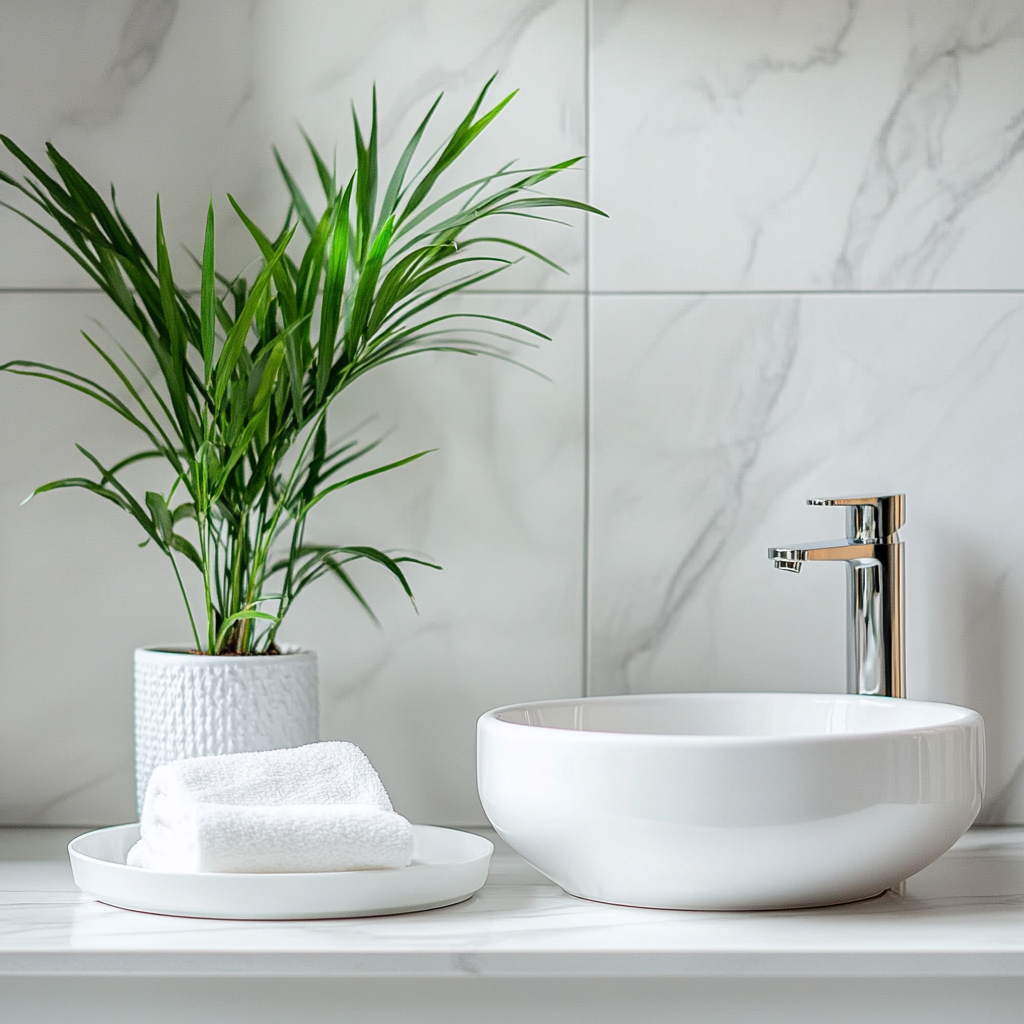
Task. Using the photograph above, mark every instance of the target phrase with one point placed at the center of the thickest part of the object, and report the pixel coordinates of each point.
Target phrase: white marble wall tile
(848, 144)
(185, 98)
(715, 418)
(500, 505)
(414, 50)
(151, 95)
(76, 594)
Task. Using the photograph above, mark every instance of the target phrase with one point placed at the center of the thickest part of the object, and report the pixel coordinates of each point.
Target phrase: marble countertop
(963, 916)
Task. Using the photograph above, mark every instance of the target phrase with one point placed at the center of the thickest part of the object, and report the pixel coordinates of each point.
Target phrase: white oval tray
(447, 867)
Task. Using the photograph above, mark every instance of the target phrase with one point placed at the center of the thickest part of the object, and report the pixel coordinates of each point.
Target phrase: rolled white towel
(321, 807)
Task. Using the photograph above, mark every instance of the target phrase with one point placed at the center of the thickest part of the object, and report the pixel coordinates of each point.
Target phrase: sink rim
(957, 716)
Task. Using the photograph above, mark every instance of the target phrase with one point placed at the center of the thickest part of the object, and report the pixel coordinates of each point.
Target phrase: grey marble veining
(937, 152)
(744, 407)
(846, 145)
(766, 358)
(186, 100)
(142, 39)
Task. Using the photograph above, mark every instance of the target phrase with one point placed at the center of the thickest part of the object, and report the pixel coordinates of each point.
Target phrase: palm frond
(247, 370)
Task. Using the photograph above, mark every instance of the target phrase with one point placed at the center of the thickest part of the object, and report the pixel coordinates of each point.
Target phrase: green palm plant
(246, 372)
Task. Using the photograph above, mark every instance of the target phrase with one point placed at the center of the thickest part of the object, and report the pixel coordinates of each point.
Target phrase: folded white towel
(321, 807)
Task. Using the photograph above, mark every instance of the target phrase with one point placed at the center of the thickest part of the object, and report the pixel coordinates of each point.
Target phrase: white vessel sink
(730, 801)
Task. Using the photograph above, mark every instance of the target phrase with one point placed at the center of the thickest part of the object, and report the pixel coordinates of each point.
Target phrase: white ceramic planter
(191, 705)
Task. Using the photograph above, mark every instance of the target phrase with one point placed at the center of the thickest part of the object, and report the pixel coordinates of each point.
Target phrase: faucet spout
(824, 551)
(873, 554)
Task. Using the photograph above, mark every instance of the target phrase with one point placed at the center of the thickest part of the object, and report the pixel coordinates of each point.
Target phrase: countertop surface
(962, 916)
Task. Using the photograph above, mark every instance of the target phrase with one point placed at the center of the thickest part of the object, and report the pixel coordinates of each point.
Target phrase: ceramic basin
(730, 801)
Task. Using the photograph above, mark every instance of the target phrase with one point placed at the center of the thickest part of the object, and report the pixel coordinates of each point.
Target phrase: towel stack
(321, 807)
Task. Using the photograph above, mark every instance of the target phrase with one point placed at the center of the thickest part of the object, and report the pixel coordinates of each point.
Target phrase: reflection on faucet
(873, 554)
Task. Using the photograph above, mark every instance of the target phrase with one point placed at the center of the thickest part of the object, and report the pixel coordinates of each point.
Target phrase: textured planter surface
(190, 705)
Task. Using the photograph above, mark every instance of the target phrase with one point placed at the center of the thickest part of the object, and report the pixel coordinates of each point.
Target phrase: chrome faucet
(873, 553)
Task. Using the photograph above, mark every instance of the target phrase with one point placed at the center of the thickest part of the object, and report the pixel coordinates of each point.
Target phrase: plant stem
(188, 606)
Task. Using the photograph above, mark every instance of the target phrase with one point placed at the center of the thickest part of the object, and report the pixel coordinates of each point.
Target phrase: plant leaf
(162, 518)
(208, 299)
(243, 324)
(302, 208)
(334, 292)
(363, 304)
(359, 476)
(184, 547)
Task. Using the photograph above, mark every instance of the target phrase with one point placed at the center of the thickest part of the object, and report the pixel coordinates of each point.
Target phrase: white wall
(811, 282)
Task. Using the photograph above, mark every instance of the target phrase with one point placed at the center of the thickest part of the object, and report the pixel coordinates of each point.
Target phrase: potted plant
(237, 409)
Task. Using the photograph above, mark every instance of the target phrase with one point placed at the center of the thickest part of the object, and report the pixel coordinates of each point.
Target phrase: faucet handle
(870, 519)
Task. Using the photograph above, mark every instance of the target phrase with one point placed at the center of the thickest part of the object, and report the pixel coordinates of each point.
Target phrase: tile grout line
(585, 612)
(28, 290)
(590, 293)
(805, 292)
